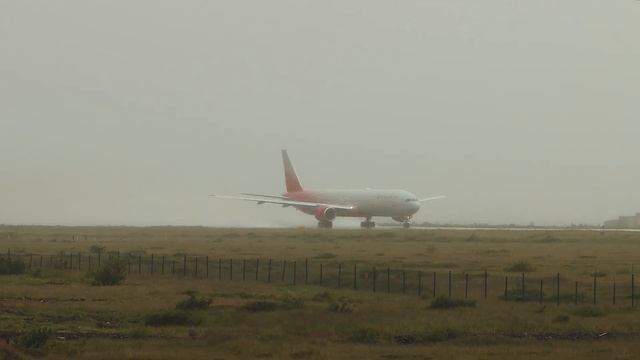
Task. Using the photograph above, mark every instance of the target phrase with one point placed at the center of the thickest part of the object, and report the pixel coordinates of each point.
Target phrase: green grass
(254, 319)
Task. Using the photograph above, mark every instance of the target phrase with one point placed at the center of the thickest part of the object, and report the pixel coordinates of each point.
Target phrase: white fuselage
(366, 203)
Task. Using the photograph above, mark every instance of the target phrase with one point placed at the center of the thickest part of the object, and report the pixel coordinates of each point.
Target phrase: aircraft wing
(284, 202)
(432, 198)
(267, 196)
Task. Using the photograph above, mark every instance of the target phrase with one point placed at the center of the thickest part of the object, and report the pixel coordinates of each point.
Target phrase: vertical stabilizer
(290, 177)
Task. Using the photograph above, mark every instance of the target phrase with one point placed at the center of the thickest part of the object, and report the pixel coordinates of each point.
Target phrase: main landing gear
(406, 224)
(368, 224)
(325, 224)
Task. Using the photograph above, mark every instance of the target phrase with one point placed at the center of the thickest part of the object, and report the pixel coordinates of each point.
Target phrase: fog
(132, 112)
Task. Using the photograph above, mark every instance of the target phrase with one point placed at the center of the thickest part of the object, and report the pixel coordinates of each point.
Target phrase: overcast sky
(132, 112)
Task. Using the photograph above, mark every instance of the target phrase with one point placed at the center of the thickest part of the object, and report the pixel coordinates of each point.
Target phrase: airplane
(327, 205)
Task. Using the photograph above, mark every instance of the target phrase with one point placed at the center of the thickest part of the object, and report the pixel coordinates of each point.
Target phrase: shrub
(343, 307)
(440, 335)
(561, 318)
(365, 336)
(96, 249)
(589, 311)
(290, 303)
(515, 294)
(430, 336)
(172, 318)
(260, 306)
(36, 338)
(112, 273)
(445, 302)
(520, 267)
(12, 265)
(193, 302)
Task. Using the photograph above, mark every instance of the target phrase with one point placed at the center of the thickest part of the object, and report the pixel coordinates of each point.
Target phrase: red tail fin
(291, 180)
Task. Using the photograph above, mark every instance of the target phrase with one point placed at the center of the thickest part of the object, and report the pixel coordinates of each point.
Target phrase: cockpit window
(409, 200)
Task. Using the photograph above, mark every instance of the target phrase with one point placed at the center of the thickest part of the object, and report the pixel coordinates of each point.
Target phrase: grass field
(281, 321)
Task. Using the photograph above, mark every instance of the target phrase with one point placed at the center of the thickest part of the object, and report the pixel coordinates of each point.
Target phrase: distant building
(624, 222)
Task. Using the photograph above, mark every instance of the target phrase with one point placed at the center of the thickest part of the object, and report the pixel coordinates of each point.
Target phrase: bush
(12, 265)
(193, 302)
(36, 338)
(445, 302)
(561, 318)
(530, 295)
(172, 318)
(96, 249)
(520, 267)
(343, 307)
(589, 311)
(260, 306)
(365, 336)
(112, 273)
(431, 336)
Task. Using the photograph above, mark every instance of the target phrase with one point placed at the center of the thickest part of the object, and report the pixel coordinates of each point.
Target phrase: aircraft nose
(415, 207)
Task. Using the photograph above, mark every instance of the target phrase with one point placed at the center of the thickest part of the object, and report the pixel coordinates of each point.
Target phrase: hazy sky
(132, 112)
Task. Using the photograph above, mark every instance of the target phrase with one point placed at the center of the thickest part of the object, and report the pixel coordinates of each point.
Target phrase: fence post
(595, 287)
(486, 278)
(99, 261)
(388, 280)
(295, 262)
(139, 264)
(576, 294)
(355, 277)
(184, 265)
(558, 289)
(89, 262)
(128, 264)
(419, 283)
(284, 269)
(220, 269)
(306, 271)
(614, 290)
(162, 267)
(339, 275)
(403, 281)
(541, 295)
(244, 264)
(523, 291)
(269, 272)
(196, 267)
(173, 267)
(71, 261)
(79, 262)
(41, 261)
(449, 283)
(633, 290)
(506, 288)
(152, 258)
(374, 279)
(206, 259)
(320, 274)
(434, 284)
(257, 267)
(466, 285)
(231, 269)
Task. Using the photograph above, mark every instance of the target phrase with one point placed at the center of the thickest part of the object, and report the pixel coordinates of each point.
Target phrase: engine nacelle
(327, 214)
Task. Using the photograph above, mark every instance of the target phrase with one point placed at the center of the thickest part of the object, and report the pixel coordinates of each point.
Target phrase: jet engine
(327, 214)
